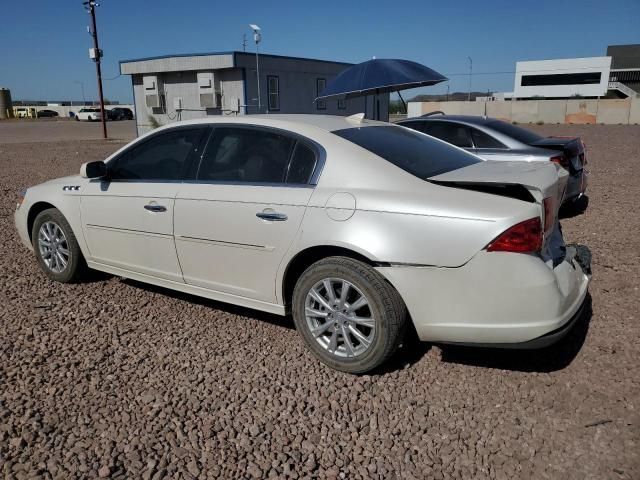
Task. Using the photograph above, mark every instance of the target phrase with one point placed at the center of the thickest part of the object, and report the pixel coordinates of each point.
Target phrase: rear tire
(350, 317)
(56, 247)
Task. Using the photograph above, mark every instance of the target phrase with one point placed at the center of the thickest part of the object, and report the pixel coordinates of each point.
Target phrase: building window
(273, 86)
(589, 78)
(342, 104)
(321, 83)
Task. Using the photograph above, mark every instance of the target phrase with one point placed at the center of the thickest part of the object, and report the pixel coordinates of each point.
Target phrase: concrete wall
(577, 111)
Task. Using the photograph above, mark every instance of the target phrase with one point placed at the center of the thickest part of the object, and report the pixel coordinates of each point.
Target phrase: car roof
(470, 119)
(329, 123)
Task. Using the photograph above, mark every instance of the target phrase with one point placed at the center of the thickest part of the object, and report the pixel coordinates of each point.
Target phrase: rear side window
(452, 133)
(302, 165)
(482, 140)
(413, 152)
(246, 155)
(162, 157)
(520, 134)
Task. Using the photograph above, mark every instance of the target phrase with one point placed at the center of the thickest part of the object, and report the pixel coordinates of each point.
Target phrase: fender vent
(71, 188)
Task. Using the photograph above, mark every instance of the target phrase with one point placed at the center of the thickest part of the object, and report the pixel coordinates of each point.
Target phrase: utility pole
(244, 42)
(96, 54)
(470, 73)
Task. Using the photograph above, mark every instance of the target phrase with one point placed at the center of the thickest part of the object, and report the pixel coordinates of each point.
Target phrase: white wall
(560, 66)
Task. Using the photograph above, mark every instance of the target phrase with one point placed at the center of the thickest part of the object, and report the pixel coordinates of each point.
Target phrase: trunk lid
(544, 183)
(571, 147)
(542, 180)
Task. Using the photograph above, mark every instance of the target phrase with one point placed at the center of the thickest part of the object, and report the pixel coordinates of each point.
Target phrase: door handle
(155, 208)
(272, 216)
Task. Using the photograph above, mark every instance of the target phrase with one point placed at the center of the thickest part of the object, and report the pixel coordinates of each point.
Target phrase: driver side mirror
(93, 169)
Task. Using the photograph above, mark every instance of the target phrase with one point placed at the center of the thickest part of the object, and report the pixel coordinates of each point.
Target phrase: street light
(84, 101)
(470, 73)
(257, 37)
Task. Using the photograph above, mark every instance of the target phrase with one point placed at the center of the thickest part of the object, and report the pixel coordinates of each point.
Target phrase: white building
(563, 78)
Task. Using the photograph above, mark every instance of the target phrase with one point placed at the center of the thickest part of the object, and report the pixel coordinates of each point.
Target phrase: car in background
(89, 114)
(119, 113)
(47, 113)
(361, 229)
(24, 112)
(493, 139)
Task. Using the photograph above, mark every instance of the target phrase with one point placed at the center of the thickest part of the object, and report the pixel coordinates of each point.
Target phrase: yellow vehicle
(24, 112)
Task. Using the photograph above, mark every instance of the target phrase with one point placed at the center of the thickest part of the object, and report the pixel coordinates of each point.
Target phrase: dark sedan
(46, 114)
(120, 113)
(494, 139)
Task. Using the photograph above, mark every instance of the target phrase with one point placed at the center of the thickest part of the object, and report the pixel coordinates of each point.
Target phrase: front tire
(350, 317)
(56, 247)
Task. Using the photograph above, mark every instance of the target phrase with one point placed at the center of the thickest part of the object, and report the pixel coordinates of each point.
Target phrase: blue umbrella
(380, 76)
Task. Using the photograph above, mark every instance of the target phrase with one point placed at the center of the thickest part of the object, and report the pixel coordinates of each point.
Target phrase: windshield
(520, 134)
(416, 153)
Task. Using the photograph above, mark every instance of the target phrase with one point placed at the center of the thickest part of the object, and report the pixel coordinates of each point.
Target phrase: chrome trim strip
(224, 243)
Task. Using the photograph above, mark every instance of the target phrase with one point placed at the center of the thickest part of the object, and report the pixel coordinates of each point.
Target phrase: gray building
(182, 87)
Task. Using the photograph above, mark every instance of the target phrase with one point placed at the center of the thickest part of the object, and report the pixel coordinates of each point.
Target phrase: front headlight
(21, 196)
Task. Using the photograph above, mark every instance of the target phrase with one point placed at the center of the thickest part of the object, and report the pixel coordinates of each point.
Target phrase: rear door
(127, 219)
(235, 221)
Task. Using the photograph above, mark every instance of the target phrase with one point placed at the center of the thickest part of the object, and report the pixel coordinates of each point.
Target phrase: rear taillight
(561, 160)
(549, 213)
(525, 237)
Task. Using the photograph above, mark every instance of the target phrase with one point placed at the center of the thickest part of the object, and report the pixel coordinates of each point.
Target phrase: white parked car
(356, 227)
(89, 114)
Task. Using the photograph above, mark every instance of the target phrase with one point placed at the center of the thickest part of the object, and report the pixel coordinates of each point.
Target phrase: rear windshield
(520, 134)
(416, 153)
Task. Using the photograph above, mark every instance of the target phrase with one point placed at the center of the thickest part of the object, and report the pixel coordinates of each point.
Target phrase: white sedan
(358, 228)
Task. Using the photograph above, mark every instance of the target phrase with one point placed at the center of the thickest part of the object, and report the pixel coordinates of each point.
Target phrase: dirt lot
(57, 129)
(115, 378)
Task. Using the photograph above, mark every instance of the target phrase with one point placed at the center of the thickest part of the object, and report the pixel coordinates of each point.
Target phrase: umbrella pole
(403, 103)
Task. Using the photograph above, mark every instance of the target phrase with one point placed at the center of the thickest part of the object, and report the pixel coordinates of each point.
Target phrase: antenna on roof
(356, 118)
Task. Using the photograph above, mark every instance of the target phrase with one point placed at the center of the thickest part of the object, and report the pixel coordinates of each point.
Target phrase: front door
(127, 218)
(235, 222)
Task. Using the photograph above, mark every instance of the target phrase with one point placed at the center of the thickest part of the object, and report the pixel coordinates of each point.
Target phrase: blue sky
(44, 44)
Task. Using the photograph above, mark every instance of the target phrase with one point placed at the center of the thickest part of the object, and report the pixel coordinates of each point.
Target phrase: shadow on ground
(575, 208)
(550, 359)
(273, 319)
(555, 357)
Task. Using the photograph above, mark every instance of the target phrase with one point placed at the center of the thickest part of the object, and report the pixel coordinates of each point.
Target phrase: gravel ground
(116, 379)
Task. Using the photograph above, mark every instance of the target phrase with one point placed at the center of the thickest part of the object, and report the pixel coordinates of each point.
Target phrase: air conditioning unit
(152, 91)
(208, 90)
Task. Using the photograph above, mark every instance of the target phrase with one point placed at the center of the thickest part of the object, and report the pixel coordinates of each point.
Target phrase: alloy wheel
(340, 318)
(53, 247)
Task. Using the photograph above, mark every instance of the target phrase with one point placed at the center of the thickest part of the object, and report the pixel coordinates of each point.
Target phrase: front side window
(162, 157)
(452, 133)
(321, 83)
(413, 152)
(273, 84)
(482, 140)
(249, 155)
